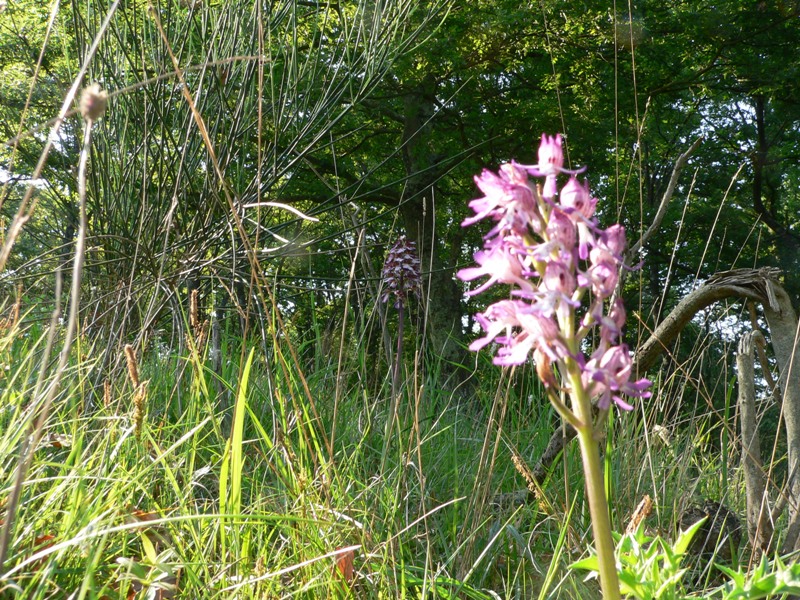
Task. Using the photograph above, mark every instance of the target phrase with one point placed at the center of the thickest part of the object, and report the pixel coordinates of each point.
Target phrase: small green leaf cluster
(651, 568)
(767, 580)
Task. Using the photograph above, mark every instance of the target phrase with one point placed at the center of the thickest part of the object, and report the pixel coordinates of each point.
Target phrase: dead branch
(759, 523)
(665, 200)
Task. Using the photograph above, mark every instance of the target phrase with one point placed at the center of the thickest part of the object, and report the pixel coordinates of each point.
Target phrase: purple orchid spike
(401, 272)
(548, 246)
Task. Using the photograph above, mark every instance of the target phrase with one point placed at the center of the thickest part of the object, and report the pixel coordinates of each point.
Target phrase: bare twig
(665, 200)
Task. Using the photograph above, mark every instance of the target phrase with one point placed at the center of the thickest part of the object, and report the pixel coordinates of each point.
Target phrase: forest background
(226, 421)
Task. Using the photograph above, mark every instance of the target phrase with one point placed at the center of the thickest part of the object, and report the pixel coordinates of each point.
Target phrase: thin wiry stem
(28, 203)
(29, 444)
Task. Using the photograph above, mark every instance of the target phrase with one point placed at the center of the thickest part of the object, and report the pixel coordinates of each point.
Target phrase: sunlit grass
(219, 504)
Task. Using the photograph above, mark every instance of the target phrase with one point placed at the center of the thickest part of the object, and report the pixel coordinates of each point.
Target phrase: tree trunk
(766, 187)
(782, 322)
(442, 295)
(759, 524)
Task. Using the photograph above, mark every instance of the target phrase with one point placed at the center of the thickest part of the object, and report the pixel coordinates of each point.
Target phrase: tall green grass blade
(230, 478)
(558, 550)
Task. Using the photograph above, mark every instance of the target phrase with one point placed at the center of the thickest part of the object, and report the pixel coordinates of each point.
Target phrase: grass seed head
(93, 102)
(194, 318)
(139, 398)
(133, 365)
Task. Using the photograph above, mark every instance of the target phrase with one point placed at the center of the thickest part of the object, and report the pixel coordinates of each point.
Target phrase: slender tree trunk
(766, 188)
(442, 295)
(759, 524)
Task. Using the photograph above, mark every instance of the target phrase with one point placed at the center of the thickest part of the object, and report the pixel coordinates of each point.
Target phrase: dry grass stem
(642, 511)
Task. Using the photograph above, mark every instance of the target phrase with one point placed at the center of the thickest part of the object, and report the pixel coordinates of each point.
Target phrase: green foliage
(649, 568)
(652, 568)
(768, 579)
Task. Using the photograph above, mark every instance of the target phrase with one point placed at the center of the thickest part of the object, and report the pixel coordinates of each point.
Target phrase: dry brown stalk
(640, 514)
(10, 322)
(139, 398)
(194, 317)
(139, 389)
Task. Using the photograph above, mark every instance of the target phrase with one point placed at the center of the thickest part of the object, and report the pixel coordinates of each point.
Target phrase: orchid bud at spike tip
(551, 155)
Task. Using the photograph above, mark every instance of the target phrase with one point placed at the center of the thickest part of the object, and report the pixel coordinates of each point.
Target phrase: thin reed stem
(29, 444)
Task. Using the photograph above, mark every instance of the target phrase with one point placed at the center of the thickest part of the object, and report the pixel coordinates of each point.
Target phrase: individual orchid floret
(611, 324)
(613, 240)
(498, 317)
(401, 272)
(500, 263)
(607, 376)
(547, 302)
(551, 155)
(551, 161)
(507, 198)
(544, 331)
(535, 332)
(576, 199)
(558, 277)
(609, 246)
(514, 174)
(544, 368)
(603, 277)
(560, 228)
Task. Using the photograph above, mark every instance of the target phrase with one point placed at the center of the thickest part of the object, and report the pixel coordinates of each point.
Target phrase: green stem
(595, 490)
(396, 373)
(598, 507)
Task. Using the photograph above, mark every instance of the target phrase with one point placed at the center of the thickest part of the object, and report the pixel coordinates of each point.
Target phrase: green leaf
(589, 563)
(685, 538)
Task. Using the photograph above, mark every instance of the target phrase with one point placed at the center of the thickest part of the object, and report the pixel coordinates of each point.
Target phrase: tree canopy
(373, 119)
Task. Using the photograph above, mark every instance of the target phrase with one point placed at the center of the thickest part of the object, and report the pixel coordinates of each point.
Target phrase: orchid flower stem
(595, 489)
(396, 373)
(398, 359)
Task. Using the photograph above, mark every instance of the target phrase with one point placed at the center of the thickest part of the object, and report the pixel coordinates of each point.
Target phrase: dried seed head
(139, 398)
(133, 366)
(93, 102)
(194, 317)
